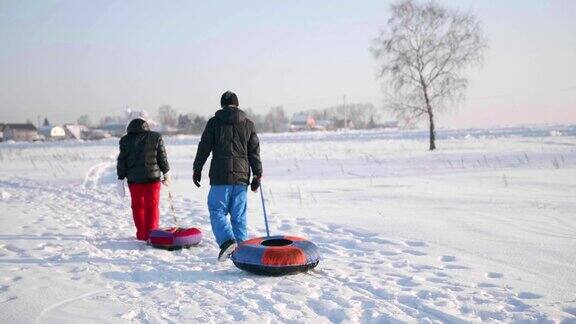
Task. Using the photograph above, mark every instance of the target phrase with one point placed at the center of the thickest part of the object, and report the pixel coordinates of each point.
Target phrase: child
(232, 139)
(142, 160)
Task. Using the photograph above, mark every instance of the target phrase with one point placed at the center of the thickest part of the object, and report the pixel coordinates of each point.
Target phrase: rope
(264, 209)
(171, 206)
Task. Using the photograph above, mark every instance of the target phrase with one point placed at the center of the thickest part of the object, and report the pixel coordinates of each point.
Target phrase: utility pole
(345, 113)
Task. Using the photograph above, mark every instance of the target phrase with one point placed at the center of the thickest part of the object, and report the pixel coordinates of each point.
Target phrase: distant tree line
(191, 123)
(358, 115)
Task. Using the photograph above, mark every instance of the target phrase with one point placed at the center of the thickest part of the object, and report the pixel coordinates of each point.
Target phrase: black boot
(226, 250)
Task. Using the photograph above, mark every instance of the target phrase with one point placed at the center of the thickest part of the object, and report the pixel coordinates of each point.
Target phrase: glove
(167, 179)
(120, 189)
(255, 183)
(196, 177)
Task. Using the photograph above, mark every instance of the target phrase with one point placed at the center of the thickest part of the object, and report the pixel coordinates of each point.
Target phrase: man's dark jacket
(232, 139)
(142, 155)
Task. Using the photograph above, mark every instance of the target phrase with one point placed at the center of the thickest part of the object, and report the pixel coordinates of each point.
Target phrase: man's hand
(167, 179)
(197, 176)
(255, 183)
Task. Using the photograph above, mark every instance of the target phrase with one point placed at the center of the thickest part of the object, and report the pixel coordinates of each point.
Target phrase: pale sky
(62, 59)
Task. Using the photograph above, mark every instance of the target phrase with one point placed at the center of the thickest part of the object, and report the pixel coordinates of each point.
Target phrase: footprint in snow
(407, 282)
(400, 264)
(528, 295)
(447, 258)
(494, 275)
(486, 285)
(285, 227)
(415, 243)
(436, 280)
(455, 267)
(414, 252)
(441, 274)
(388, 253)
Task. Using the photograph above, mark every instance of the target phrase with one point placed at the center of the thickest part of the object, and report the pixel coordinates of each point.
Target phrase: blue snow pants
(224, 200)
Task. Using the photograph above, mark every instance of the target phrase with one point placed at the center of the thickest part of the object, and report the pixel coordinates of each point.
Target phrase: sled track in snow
(363, 277)
(63, 303)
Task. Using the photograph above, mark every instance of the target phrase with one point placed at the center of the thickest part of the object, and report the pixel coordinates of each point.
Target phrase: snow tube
(174, 238)
(276, 255)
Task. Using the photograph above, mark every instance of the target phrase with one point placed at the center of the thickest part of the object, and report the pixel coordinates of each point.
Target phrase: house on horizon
(52, 132)
(19, 132)
(75, 131)
(302, 122)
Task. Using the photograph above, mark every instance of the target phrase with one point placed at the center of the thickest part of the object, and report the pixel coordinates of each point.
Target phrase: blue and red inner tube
(276, 255)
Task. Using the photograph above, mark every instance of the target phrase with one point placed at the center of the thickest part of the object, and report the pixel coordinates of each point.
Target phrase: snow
(483, 229)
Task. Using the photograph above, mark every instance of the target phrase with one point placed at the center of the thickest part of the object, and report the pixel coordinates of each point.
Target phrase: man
(232, 139)
(142, 159)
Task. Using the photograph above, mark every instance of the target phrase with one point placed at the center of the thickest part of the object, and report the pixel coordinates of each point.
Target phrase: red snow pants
(145, 199)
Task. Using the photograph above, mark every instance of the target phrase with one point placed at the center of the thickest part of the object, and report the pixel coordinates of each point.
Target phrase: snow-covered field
(484, 229)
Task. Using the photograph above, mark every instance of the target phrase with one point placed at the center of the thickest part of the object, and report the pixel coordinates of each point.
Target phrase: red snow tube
(276, 255)
(174, 238)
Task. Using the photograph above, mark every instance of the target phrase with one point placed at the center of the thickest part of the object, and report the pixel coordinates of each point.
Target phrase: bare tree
(199, 124)
(84, 120)
(185, 122)
(257, 119)
(424, 52)
(108, 120)
(276, 119)
(167, 115)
